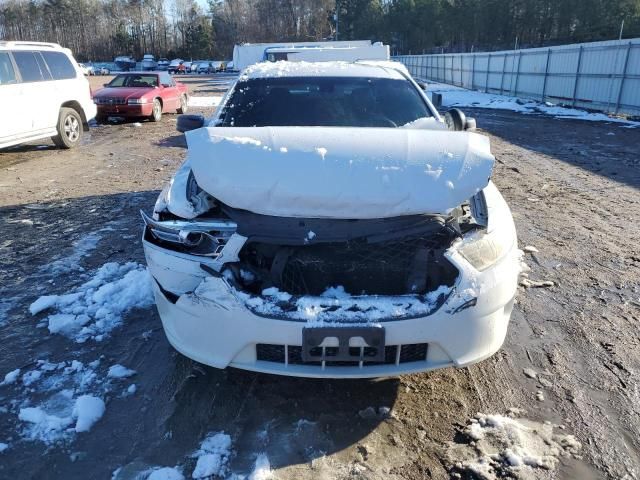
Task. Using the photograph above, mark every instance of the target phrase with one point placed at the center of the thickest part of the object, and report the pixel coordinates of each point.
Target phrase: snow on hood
(334, 172)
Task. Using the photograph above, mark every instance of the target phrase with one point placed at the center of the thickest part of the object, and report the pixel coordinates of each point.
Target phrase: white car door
(40, 97)
(15, 120)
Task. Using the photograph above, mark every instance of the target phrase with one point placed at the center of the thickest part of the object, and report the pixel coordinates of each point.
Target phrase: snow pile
(54, 421)
(3, 447)
(213, 456)
(499, 446)
(96, 307)
(459, 97)
(336, 303)
(205, 101)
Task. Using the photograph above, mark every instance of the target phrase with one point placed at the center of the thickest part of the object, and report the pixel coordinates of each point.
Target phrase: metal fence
(603, 76)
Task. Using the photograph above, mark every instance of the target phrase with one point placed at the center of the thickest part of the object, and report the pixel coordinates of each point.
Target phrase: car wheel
(156, 113)
(69, 128)
(184, 104)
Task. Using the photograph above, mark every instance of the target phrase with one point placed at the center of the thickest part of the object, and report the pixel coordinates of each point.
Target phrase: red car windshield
(142, 81)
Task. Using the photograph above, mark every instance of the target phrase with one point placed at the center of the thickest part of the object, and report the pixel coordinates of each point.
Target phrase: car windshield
(324, 101)
(142, 81)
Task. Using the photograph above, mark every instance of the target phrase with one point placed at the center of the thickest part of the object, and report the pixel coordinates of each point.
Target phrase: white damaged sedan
(329, 223)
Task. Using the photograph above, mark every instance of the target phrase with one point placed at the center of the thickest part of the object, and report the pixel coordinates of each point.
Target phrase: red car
(141, 94)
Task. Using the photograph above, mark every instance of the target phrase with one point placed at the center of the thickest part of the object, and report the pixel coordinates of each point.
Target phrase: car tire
(184, 105)
(70, 129)
(156, 113)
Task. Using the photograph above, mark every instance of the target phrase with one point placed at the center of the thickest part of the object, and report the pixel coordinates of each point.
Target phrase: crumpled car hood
(337, 172)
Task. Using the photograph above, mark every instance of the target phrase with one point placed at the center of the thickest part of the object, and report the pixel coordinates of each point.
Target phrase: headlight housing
(482, 249)
(136, 101)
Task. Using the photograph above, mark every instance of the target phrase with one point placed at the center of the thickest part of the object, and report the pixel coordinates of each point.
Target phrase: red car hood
(126, 92)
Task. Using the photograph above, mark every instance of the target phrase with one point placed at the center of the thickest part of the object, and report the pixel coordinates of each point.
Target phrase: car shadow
(177, 401)
(604, 148)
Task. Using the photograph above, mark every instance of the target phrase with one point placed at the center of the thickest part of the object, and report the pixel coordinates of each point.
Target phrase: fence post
(504, 65)
(473, 69)
(515, 92)
(546, 74)
(453, 82)
(486, 80)
(575, 83)
(624, 76)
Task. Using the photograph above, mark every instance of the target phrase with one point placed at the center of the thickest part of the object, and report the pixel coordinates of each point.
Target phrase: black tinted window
(60, 66)
(324, 101)
(28, 66)
(7, 73)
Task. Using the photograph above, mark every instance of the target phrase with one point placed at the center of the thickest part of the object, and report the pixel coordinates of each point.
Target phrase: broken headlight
(482, 249)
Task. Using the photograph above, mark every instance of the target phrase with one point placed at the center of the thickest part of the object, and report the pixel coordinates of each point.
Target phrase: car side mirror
(455, 119)
(105, 84)
(186, 123)
(166, 85)
(422, 85)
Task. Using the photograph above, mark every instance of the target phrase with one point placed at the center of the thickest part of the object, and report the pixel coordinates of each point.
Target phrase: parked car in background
(186, 67)
(163, 64)
(381, 256)
(44, 94)
(102, 71)
(230, 67)
(86, 69)
(141, 94)
(174, 65)
(205, 67)
(125, 63)
(148, 63)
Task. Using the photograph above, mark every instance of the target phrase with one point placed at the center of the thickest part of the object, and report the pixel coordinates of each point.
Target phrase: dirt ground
(573, 188)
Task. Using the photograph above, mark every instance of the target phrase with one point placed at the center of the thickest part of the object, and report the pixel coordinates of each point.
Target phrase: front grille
(416, 352)
(387, 268)
(110, 101)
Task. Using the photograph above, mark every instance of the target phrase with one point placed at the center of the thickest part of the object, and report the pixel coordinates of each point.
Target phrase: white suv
(44, 94)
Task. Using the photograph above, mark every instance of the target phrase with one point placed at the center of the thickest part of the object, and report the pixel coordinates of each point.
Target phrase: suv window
(7, 73)
(60, 66)
(30, 68)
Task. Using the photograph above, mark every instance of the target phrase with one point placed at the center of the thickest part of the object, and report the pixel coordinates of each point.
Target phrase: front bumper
(143, 110)
(207, 320)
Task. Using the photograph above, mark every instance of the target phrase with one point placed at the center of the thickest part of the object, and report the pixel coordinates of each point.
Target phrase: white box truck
(250, 53)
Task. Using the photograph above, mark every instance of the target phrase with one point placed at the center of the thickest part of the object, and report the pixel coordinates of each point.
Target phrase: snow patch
(11, 377)
(453, 96)
(166, 473)
(262, 468)
(501, 446)
(96, 307)
(81, 248)
(3, 447)
(205, 101)
(118, 371)
(213, 456)
(88, 410)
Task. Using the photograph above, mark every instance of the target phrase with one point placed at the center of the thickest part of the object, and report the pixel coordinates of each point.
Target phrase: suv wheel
(156, 113)
(69, 128)
(184, 104)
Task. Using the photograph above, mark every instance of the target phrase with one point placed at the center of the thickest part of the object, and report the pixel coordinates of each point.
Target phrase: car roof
(361, 68)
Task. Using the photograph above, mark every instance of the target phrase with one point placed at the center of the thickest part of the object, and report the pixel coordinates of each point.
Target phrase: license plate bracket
(372, 351)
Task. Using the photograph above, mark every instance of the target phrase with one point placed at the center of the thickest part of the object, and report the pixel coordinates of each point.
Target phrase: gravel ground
(573, 189)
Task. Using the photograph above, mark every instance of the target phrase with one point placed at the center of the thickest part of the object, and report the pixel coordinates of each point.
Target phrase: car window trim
(16, 72)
